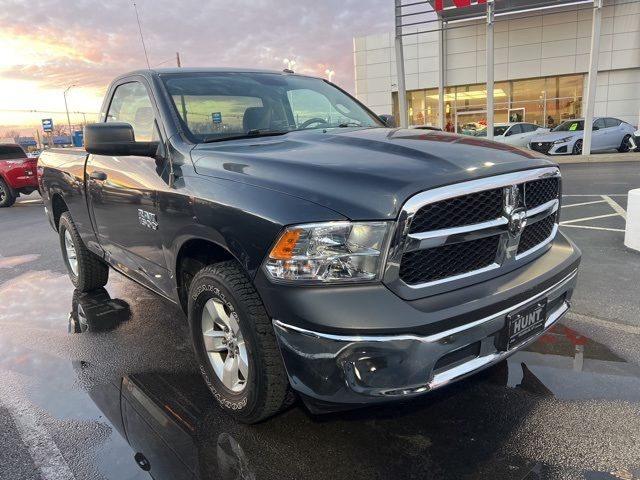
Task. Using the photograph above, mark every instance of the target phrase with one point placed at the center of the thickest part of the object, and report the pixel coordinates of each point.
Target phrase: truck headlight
(563, 140)
(330, 252)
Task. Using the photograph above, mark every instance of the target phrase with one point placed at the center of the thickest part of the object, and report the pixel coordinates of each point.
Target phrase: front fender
(243, 219)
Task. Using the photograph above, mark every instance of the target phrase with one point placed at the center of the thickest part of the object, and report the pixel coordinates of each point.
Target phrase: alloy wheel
(224, 344)
(72, 256)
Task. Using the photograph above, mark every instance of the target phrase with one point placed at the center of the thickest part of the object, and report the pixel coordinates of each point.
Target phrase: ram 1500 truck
(313, 248)
(18, 174)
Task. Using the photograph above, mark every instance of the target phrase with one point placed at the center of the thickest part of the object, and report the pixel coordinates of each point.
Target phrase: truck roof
(164, 71)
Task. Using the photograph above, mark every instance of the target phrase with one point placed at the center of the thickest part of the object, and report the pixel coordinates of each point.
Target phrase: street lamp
(290, 63)
(67, 110)
(330, 73)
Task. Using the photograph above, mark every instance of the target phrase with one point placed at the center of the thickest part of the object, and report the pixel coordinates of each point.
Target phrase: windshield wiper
(262, 132)
(349, 124)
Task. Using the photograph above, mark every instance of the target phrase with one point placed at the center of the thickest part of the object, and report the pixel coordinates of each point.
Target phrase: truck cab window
(131, 104)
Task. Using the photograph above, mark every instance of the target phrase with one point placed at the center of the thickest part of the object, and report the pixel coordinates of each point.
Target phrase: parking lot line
(589, 227)
(583, 203)
(42, 448)
(621, 211)
(589, 218)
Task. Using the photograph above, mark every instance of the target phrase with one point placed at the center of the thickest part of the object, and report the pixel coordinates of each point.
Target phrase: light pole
(330, 73)
(290, 63)
(67, 110)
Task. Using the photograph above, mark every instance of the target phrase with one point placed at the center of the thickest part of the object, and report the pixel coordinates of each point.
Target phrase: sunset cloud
(56, 43)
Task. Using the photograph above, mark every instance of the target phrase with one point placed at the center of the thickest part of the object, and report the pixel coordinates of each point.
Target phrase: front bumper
(332, 368)
(551, 148)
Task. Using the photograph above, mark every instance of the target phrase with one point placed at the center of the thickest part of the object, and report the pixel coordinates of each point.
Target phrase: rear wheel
(577, 148)
(625, 146)
(7, 197)
(86, 270)
(235, 344)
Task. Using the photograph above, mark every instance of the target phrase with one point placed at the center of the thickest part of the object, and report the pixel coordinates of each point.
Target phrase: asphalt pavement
(103, 386)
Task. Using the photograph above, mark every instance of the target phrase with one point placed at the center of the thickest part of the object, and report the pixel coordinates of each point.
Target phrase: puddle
(120, 360)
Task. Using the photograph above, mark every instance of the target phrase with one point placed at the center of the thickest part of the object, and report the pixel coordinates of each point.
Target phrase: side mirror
(116, 139)
(595, 128)
(388, 120)
(508, 134)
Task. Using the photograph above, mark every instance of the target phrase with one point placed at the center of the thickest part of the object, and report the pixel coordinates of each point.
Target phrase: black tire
(266, 390)
(625, 146)
(7, 196)
(577, 148)
(91, 272)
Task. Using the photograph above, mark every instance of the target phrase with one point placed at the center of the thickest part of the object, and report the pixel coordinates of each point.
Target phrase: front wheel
(86, 270)
(625, 146)
(7, 197)
(235, 344)
(577, 148)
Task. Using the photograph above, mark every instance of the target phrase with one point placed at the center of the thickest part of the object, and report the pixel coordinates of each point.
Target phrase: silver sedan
(608, 134)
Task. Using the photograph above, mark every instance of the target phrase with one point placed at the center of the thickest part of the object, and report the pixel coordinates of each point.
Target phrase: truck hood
(553, 136)
(360, 173)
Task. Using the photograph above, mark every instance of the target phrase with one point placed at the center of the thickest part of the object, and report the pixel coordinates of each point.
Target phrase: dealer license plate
(524, 324)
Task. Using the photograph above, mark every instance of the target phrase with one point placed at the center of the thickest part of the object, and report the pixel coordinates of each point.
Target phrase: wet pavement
(102, 386)
(105, 381)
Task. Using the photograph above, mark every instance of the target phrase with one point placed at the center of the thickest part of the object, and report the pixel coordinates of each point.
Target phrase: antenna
(144, 47)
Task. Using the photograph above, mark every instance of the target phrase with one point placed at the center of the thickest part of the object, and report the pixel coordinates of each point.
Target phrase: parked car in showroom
(518, 134)
(18, 174)
(608, 134)
(312, 252)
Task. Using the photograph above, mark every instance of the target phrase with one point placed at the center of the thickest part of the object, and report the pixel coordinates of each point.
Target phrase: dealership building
(541, 59)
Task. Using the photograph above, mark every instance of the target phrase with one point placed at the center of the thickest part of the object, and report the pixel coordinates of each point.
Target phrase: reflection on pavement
(565, 407)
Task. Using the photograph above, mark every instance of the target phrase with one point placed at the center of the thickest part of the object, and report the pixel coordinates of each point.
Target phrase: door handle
(98, 175)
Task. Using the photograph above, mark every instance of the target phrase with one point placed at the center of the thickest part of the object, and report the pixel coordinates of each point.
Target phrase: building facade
(541, 61)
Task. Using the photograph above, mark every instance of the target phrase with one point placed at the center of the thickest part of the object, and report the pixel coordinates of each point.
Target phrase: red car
(18, 174)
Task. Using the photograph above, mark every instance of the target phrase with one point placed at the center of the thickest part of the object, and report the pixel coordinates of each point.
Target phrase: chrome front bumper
(341, 369)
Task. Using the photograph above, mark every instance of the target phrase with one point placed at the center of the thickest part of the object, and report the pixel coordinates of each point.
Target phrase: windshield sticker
(573, 127)
(216, 117)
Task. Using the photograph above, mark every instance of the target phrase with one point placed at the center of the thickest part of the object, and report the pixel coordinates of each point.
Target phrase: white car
(517, 134)
(608, 134)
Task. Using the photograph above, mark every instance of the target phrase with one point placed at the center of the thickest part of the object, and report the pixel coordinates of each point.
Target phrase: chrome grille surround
(509, 226)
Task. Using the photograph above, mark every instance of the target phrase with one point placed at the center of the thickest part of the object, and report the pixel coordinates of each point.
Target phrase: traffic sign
(216, 117)
(47, 125)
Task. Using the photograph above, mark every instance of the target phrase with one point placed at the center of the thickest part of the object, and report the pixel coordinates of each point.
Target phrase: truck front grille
(466, 229)
(454, 212)
(535, 234)
(442, 262)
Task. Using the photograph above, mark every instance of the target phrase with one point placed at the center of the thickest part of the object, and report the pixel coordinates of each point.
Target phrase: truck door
(123, 193)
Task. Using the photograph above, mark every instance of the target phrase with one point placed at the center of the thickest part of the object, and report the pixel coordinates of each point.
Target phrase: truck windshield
(226, 105)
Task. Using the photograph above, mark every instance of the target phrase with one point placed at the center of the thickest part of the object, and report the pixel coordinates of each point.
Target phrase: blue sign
(47, 124)
(216, 117)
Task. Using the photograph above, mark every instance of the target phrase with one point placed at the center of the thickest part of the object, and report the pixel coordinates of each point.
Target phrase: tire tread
(92, 272)
(277, 393)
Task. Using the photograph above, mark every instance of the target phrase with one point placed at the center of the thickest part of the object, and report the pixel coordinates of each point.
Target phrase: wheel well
(193, 256)
(58, 207)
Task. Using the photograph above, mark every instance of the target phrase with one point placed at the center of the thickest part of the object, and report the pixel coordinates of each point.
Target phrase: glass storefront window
(543, 101)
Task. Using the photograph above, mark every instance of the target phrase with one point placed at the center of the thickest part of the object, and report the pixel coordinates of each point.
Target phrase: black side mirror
(595, 128)
(508, 134)
(388, 120)
(116, 139)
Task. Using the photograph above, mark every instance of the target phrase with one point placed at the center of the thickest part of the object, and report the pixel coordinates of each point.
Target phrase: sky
(48, 45)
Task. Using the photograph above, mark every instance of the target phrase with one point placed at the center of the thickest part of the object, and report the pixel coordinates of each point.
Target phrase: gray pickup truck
(314, 248)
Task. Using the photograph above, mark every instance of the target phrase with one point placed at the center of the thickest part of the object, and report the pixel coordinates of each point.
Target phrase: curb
(600, 158)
